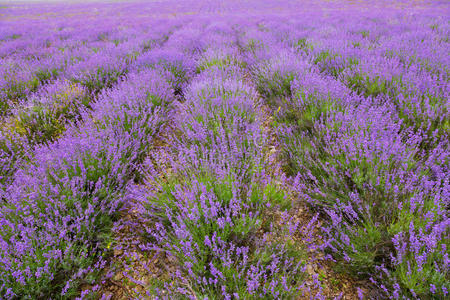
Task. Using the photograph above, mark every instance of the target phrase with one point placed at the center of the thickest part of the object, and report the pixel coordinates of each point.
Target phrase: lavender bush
(72, 190)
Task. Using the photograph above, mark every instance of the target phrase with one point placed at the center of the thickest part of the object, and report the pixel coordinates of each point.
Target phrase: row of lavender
(47, 84)
(62, 197)
(39, 53)
(363, 125)
(210, 200)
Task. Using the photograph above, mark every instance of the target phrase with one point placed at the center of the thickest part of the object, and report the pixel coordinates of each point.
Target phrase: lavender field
(225, 149)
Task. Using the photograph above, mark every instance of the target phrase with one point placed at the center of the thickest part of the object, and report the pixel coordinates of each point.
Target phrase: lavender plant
(49, 111)
(71, 194)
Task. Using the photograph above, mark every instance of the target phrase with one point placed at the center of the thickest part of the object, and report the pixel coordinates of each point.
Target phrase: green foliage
(15, 91)
(206, 193)
(45, 75)
(303, 45)
(13, 149)
(102, 78)
(274, 85)
(333, 63)
(38, 125)
(43, 123)
(423, 111)
(219, 61)
(372, 86)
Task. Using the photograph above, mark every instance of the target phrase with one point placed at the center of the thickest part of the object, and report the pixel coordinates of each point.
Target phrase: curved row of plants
(210, 199)
(60, 207)
(44, 115)
(371, 153)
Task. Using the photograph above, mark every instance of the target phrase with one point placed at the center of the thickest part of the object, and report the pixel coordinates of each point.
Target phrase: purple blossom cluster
(172, 111)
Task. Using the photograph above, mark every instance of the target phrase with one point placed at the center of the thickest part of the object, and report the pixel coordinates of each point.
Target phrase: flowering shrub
(48, 112)
(70, 193)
